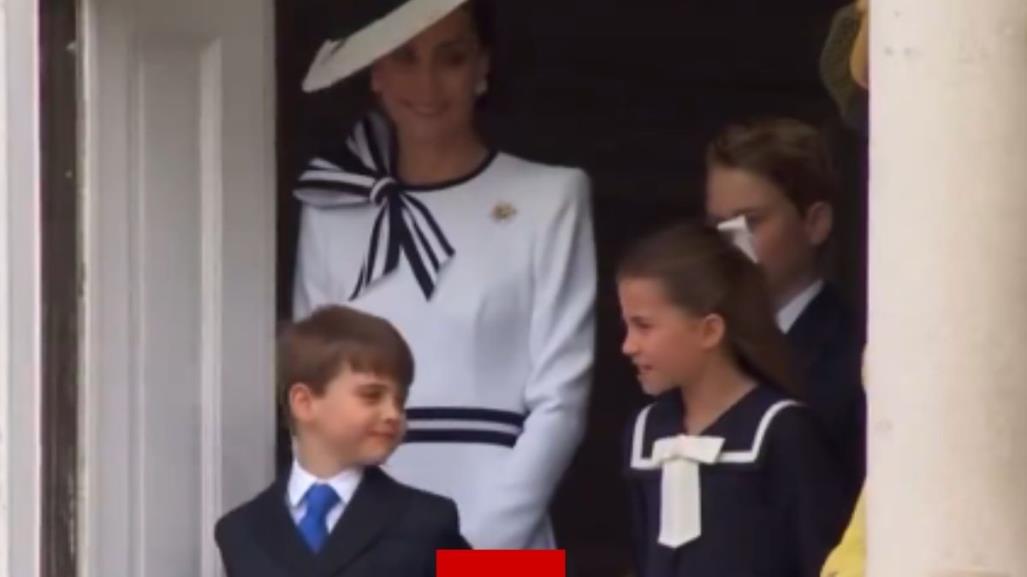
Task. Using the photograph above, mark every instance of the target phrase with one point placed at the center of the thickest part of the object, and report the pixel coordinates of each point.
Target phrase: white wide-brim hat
(383, 26)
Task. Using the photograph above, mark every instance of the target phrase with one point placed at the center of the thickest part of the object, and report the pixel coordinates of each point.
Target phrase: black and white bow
(359, 175)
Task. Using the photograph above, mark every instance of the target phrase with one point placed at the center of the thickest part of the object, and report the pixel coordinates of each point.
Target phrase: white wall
(19, 292)
(948, 276)
(179, 248)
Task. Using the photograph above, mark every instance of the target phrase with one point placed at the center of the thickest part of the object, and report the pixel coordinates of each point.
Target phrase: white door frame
(153, 485)
(20, 317)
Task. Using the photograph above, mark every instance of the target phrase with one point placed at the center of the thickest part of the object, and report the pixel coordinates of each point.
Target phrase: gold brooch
(503, 211)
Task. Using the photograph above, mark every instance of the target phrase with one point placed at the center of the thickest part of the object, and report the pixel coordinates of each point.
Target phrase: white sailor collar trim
(680, 457)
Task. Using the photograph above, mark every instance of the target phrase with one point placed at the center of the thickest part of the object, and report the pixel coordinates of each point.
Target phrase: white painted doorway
(179, 237)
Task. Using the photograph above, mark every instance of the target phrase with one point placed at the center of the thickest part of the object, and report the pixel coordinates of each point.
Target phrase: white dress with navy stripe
(503, 335)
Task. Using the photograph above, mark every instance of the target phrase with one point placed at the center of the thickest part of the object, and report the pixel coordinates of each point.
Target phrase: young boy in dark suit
(343, 381)
(777, 174)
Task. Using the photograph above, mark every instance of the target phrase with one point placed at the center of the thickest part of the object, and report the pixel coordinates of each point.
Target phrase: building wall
(19, 292)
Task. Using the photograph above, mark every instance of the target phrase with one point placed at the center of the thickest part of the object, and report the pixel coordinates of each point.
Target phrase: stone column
(947, 355)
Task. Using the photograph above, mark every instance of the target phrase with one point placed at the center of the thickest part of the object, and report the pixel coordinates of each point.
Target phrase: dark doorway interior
(58, 75)
(631, 91)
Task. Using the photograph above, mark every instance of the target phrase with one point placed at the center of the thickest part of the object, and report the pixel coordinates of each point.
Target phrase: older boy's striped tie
(314, 526)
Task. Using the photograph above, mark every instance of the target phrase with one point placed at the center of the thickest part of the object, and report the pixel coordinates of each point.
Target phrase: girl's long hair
(703, 273)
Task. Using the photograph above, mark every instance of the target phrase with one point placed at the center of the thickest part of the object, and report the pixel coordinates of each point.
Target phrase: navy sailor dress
(756, 495)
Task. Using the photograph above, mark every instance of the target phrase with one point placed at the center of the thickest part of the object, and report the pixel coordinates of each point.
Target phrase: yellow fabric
(859, 61)
(836, 66)
(849, 558)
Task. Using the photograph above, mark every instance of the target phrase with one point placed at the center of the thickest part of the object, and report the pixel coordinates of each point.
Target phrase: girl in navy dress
(729, 474)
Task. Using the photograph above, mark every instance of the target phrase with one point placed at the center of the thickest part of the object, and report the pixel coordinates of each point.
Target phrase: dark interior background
(631, 91)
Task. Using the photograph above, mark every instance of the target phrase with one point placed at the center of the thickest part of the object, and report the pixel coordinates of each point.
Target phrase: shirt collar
(345, 483)
(790, 313)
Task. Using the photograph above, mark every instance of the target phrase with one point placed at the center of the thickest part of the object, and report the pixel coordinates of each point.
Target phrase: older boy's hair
(314, 350)
(790, 154)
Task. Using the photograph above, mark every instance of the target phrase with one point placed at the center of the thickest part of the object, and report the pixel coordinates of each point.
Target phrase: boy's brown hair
(316, 349)
(790, 154)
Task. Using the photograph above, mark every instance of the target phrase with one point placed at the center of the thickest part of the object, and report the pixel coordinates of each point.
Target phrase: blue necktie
(313, 526)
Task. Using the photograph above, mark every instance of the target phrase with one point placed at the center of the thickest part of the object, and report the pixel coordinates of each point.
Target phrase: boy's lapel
(375, 506)
(814, 327)
(277, 533)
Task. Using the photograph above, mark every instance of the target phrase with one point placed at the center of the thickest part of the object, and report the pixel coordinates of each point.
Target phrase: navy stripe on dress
(465, 414)
(461, 436)
(468, 425)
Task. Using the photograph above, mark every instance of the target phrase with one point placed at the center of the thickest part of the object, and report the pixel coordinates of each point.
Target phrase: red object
(501, 564)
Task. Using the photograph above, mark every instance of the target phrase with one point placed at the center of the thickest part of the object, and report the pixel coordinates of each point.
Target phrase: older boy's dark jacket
(829, 350)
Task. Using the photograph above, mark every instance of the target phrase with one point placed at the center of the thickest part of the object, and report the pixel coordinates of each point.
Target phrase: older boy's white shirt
(300, 482)
(790, 313)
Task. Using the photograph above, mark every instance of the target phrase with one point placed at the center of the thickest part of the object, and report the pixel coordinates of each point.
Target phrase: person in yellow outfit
(849, 558)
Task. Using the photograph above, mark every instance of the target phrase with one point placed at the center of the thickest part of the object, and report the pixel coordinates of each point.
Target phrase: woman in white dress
(484, 261)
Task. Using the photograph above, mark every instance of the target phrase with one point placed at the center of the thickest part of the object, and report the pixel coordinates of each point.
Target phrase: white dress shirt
(300, 482)
(790, 313)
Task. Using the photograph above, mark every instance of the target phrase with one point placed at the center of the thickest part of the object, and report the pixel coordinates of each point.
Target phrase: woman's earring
(482, 88)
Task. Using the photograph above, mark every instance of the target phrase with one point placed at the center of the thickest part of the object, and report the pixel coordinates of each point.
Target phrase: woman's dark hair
(703, 273)
(484, 14)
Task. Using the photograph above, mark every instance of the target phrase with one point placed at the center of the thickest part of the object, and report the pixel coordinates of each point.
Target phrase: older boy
(777, 173)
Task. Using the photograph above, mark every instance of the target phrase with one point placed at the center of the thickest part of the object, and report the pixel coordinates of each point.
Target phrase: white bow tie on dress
(680, 458)
(680, 494)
